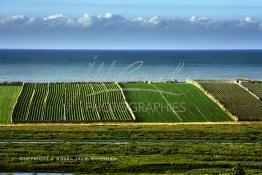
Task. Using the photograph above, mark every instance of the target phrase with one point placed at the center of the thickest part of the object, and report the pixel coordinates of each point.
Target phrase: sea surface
(128, 65)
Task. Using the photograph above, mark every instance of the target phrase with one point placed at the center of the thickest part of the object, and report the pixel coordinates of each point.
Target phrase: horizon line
(149, 49)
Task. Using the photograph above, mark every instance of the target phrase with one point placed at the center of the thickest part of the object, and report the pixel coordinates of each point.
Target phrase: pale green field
(8, 96)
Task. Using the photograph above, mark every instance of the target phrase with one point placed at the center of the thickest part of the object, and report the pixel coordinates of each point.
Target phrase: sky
(131, 24)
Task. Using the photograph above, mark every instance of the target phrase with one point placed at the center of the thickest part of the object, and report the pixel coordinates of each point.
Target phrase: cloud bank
(101, 30)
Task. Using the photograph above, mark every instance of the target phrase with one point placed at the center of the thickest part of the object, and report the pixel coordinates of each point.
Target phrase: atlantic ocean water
(128, 65)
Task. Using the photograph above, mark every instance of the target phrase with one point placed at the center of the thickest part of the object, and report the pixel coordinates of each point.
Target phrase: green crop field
(8, 96)
(255, 87)
(156, 102)
(70, 102)
(171, 102)
(235, 99)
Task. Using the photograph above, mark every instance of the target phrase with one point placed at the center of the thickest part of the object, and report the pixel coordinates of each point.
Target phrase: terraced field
(235, 99)
(255, 87)
(70, 102)
(176, 102)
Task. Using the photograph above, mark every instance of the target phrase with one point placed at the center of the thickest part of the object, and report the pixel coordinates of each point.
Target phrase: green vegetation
(171, 102)
(8, 96)
(7, 83)
(255, 87)
(223, 151)
(70, 102)
(238, 132)
(150, 102)
(235, 99)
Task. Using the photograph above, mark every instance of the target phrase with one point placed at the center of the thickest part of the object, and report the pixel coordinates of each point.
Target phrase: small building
(243, 80)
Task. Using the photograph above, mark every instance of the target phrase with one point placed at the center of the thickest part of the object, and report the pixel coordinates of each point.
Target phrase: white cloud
(138, 19)
(53, 17)
(30, 20)
(195, 19)
(12, 19)
(249, 20)
(110, 20)
(86, 20)
(108, 15)
(154, 20)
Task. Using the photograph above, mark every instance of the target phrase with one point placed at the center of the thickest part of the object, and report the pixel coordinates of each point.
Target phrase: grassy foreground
(217, 148)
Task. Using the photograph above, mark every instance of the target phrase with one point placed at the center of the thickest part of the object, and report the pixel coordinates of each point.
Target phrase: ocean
(128, 65)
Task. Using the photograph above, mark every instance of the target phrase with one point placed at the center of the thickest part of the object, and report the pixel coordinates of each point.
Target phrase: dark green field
(70, 102)
(235, 99)
(255, 87)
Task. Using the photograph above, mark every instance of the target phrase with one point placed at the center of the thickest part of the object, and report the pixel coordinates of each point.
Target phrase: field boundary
(16, 101)
(248, 90)
(195, 83)
(127, 105)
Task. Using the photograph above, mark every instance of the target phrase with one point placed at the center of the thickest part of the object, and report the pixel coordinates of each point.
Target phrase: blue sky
(118, 24)
(132, 8)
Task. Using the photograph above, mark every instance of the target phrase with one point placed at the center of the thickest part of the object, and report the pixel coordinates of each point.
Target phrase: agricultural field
(8, 97)
(235, 99)
(70, 102)
(171, 102)
(254, 87)
(155, 102)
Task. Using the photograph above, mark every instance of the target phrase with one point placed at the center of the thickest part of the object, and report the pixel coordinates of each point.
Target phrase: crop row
(235, 99)
(22, 107)
(70, 102)
(255, 87)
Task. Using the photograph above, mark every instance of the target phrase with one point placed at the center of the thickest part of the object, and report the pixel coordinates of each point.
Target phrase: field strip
(127, 105)
(239, 84)
(235, 123)
(212, 98)
(109, 104)
(30, 102)
(167, 102)
(16, 102)
(80, 101)
(93, 91)
(64, 102)
(193, 95)
(123, 142)
(203, 116)
(44, 109)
